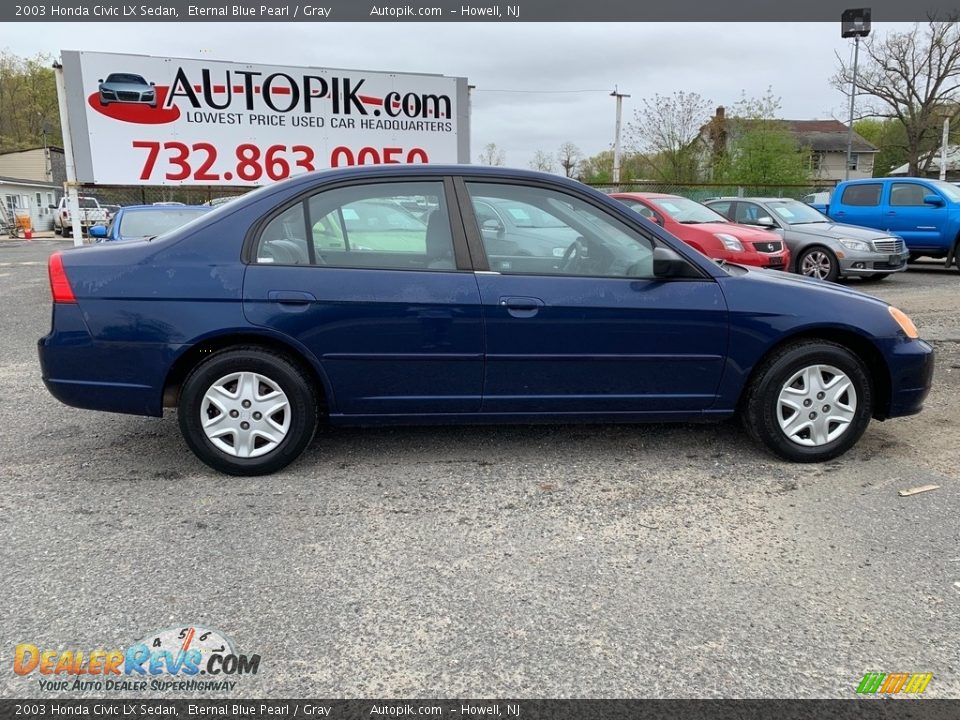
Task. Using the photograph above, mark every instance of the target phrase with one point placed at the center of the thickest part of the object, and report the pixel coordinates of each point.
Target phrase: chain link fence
(123, 195)
(706, 191)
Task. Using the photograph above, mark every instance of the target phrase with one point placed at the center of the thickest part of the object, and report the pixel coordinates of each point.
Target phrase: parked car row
(774, 233)
(520, 297)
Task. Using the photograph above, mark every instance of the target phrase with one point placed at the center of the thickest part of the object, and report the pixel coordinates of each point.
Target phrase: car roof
(139, 208)
(645, 195)
(755, 199)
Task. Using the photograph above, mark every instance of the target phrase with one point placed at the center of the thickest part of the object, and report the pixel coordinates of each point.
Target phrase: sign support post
(70, 186)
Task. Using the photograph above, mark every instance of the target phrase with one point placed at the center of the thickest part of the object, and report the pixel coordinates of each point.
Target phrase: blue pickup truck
(925, 213)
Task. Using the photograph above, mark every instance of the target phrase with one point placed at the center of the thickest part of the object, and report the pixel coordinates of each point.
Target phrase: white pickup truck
(91, 213)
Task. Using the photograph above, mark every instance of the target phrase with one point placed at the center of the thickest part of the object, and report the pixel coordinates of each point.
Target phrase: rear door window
(866, 195)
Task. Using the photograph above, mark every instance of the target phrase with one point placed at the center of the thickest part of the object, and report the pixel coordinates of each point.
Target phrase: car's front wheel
(247, 411)
(809, 402)
(819, 263)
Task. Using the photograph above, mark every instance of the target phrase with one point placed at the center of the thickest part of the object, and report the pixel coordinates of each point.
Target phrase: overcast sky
(719, 61)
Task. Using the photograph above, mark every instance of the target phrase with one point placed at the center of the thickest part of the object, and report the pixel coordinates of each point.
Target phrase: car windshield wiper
(811, 222)
(699, 222)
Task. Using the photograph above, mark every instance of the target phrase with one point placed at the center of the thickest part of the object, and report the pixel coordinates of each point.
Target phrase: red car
(708, 231)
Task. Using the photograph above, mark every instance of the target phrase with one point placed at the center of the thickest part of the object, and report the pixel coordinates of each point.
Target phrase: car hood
(838, 231)
(740, 232)
(788, 282)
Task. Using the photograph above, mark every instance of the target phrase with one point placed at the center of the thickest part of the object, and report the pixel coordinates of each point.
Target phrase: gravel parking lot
(589, 561)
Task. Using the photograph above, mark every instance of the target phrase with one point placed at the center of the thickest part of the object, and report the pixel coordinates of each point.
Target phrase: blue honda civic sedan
(317, 299)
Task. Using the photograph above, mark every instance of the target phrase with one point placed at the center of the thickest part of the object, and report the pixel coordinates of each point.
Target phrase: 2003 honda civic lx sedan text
(299, 304)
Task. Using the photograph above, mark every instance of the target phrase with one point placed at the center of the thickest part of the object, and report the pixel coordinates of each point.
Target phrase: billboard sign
(143, 120)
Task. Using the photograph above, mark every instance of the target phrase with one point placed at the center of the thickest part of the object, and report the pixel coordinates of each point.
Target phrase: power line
(538, 92)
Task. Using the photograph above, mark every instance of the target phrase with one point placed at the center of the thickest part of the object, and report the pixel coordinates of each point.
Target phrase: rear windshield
(687, 211)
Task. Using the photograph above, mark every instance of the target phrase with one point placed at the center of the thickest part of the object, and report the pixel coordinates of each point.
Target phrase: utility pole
(616, 134)
(943, 148)
(856, 24)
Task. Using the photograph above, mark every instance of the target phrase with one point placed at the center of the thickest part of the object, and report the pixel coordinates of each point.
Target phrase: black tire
(761, 404)
(821, 257)
(876, 277)
(288, 376)
(58, 230)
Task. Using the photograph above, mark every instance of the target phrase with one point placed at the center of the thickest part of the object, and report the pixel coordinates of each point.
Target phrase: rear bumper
(911, 364)
(111, 376)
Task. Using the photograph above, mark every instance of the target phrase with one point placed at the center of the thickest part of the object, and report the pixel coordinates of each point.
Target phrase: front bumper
(868, 263)
(911, 365)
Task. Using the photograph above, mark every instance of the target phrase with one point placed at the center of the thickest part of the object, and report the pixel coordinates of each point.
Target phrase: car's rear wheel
(820, 263)
(809, 402)
(247, 411)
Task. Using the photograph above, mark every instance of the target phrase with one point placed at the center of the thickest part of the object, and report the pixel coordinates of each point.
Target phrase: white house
(933, 171)
(34, 196)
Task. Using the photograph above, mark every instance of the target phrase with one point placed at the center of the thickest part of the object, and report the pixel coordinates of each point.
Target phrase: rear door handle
(291, 297)
(522, 307)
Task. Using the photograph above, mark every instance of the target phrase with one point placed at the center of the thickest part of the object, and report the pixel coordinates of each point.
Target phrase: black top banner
(462, 11)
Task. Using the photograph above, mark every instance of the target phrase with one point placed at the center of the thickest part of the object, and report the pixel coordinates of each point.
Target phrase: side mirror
(53, 207)
(100, 81)
(766, 221)
(932, 199)
(492, 225)
(153, 83)
(97, 231)
(667, 263)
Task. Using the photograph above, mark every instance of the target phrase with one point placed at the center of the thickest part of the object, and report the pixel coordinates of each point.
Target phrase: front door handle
(291, 297)
(522, 307)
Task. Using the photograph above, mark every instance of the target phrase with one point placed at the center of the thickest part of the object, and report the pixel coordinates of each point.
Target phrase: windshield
(796, 213)
(126, 78)
(88, 203)
(686, 211)
(951, 191)
(147, 223)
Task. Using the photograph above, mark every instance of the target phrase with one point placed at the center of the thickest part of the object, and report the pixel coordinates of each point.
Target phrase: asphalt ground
(584, 561)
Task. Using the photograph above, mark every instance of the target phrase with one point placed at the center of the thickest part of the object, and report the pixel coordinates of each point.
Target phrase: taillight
(59, 284)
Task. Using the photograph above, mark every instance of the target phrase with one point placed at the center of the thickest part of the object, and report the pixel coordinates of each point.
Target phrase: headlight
(729, 242)
(859, 245)
(905, 323)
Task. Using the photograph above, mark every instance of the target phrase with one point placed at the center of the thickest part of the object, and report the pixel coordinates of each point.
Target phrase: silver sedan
(820, 248)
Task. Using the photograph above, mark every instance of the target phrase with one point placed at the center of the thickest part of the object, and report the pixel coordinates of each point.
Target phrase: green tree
(761, 149)
(29, 114)
(890, 137)
(599, 168)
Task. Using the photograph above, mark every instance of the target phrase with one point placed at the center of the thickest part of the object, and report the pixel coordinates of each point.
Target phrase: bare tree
(914, 77)
(542, 161)
(569, 155)
(666, 129)
(492, 155)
